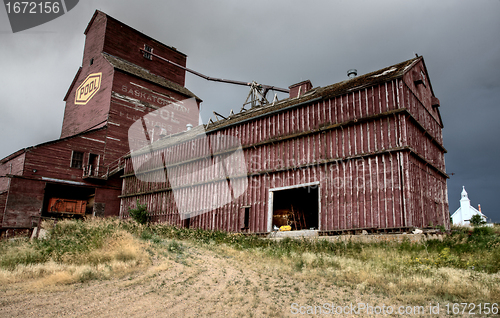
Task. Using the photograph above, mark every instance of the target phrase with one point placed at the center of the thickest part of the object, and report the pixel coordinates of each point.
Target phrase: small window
(77, 159)
(148, 50)
(91, 61)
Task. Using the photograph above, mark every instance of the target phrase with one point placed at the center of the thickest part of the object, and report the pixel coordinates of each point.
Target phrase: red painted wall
(53, 159)
(109, 197)
(79, 118)
(100, 126)
(24, 203)
(11, 166)
(3, 201)
(108, 35)
(376, 153)
(124, 42)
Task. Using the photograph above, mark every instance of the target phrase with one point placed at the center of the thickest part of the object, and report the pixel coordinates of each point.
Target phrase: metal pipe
(214, 79)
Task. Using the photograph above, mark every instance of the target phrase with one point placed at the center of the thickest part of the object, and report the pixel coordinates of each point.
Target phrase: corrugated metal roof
(143, 73)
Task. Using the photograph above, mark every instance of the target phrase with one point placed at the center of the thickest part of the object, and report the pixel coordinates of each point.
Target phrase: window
(146, 54)
(77, 159)
(91, 61)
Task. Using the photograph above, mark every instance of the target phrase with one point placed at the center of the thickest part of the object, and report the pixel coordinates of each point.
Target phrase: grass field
(251, 276)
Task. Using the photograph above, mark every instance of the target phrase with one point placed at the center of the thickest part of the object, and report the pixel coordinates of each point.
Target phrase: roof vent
(352, 73)
(189, 127)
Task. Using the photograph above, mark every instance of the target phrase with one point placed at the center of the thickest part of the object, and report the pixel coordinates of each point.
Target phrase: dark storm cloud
(281, 43)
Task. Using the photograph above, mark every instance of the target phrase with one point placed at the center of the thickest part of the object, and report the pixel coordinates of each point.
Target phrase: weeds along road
(141, 272)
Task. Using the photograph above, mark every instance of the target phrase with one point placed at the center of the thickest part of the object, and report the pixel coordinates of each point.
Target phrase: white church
(465, 212)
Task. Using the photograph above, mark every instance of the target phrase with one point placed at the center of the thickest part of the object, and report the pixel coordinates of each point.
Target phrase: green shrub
(482, 231)
(140, 213)
(477, 220)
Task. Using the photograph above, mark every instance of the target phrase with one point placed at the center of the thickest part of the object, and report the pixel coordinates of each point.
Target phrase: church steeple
(464, 193)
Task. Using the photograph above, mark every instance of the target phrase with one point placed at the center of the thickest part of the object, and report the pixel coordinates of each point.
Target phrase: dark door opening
(246, 219)
(67, 201)
(296, 207)
(187, 223)
(93, 166)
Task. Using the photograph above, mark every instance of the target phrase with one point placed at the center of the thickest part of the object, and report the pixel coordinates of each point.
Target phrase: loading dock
(67, 201)
(297, 206)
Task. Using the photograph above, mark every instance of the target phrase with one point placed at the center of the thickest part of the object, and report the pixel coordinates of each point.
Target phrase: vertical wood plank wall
(376, 152)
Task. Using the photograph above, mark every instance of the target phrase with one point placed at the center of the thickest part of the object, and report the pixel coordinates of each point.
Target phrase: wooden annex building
(363, 154)
(79, 173)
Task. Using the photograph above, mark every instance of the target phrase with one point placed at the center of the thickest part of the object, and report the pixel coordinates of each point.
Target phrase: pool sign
(88, 89)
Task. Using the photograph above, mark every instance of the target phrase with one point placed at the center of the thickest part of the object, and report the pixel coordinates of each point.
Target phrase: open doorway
(297, 207)
(93, 166)
(67, 201)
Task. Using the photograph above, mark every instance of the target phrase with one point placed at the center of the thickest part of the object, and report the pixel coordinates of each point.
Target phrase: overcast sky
(281, 43)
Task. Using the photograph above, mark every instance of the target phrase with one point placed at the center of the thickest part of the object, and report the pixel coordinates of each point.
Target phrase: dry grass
(119, 254)
(191, 272)
(384, 273)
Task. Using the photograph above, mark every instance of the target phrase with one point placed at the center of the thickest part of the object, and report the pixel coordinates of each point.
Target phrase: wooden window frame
(77, 163)
(147, 51)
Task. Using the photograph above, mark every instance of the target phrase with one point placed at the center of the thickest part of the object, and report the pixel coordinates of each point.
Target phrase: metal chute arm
(214, 79)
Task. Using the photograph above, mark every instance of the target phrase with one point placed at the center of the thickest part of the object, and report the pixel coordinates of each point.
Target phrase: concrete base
(375, 238)
(294, 234)
(42, 234)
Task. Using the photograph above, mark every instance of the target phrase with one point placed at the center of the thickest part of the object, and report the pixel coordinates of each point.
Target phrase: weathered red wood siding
(3, 202)
(110, 199)
(128, 91)
(426, 193)
(132, 99)
(376, 153)
(107, 35)
(13, 165)
(124, 42)
(79, 118)
(53, 159)
(24, 203)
